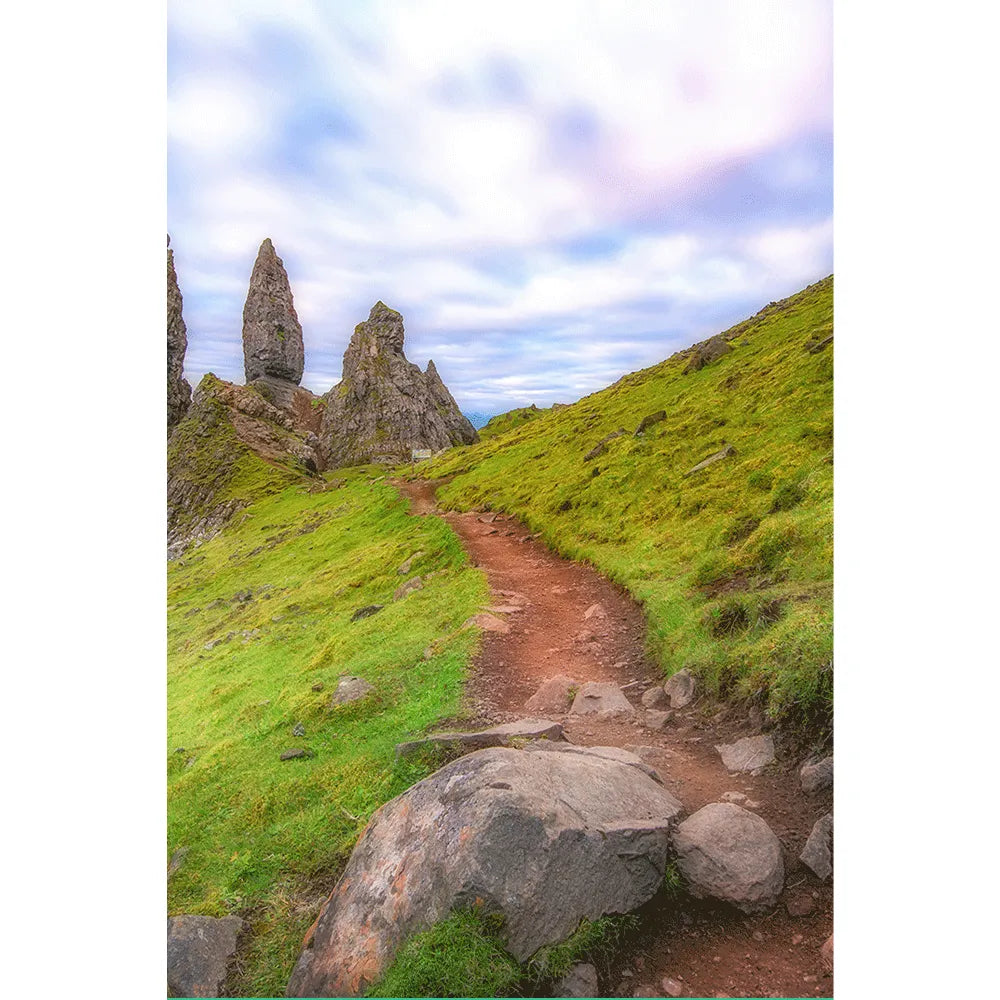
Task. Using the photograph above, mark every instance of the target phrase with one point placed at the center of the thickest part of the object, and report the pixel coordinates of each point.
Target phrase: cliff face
(231, 448)
(385, 406)
(178, 389)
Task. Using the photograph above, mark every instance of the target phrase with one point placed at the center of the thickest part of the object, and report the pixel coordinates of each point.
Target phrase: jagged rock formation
(384, 406)
(231, 448)
(272, 334)
(178, 388)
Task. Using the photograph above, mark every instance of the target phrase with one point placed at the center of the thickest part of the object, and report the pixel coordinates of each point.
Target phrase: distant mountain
(479, 420)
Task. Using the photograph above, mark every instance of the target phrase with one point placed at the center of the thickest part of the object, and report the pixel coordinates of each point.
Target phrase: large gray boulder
(545, 839)
(178, 388)
(384, 406)
(272, 334)
(725, 852)
(199, 950)
(601, 698)
(817, 855)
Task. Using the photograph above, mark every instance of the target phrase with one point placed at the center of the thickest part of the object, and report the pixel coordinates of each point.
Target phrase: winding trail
(554, 616)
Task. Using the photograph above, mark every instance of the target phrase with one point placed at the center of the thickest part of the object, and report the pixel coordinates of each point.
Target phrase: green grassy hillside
(257, 617)
(732, 562)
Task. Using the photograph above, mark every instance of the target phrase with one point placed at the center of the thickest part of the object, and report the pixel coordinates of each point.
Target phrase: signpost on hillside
(418, 455)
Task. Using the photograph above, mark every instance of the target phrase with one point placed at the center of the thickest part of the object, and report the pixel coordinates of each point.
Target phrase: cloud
(552, 194)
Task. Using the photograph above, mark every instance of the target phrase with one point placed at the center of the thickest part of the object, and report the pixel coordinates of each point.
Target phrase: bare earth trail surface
(556, 617)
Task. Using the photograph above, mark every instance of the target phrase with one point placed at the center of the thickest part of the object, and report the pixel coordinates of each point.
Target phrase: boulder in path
(816, 776)
(817, 855)
(655, 697)
(752, 753)
(681, 689)
(725, 852)
(601, 698)
(350, 689)
(555, 695)
(199, 950)
(657, 720)
(498, 736)
(580, 981)
(545, 839)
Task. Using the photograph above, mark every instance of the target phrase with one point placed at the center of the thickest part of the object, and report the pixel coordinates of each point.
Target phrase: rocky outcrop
(231, 448)
(508, 734)
(178, 388)
(545, 839)
(727, 853)
(384, 406)
(199, 951)
(272, 334)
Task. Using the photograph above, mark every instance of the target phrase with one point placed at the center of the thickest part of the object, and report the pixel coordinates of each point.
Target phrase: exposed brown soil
(712, 950)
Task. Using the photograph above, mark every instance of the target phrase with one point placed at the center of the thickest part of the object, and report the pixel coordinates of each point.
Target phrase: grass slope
(262, 835)
(734, 562)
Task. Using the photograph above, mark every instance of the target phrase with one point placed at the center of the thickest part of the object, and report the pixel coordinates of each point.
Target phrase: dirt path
(564, 618)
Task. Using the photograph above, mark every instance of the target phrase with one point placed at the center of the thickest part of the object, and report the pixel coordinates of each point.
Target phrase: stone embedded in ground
(488, 623)
(706, 352)
(681, 689)
(497, 736)
(657, 720)
(580, 981)
(737, 797)
(403, 590)
(602, 446)
(177, 859)
(199, 950)
(799, 904)
(384, 407)
(817, 855)
(318, 686)
(408, 563)
(826, 954)
(555, 695)
(727, 853)
(671, 987)
(649, 421)
(601, 698)
(544, 839)
(712, 459)
(296, 753)
(606, 753)
(504, 609)
(178, 388)
(594, 611)
(272, 334)
(816, 776)
(752, 753)
(655, 697)
(366, 612)
(298, 729)
(350, 689)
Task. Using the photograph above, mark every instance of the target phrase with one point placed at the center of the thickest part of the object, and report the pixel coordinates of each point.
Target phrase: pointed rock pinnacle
(272, 334)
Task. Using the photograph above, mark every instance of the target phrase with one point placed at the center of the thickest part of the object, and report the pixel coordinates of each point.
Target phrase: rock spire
(272, 334)
(178, 389)
(384, 406)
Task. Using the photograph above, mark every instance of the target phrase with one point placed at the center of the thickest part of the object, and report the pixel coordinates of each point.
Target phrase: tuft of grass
(257, 617)
(760, 522)
(593, 941)
(461, 956)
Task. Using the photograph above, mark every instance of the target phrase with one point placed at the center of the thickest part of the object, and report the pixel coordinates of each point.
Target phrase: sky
(552, 194)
